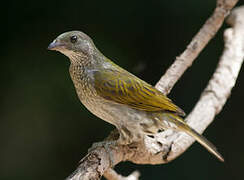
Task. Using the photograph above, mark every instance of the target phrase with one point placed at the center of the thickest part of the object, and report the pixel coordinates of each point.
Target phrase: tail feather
(204, 142)
(198, 137)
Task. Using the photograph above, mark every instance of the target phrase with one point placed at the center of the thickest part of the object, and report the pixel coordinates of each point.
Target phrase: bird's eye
(73, 39)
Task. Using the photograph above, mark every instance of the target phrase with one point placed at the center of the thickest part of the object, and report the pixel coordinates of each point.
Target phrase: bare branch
(91, 166)
(205, 34)
(167, 145)
(219, 87)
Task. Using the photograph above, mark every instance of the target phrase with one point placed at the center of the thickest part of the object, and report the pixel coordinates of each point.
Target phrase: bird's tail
(181, 125)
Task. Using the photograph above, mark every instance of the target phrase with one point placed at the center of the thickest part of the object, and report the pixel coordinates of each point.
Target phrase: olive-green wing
(125, 88)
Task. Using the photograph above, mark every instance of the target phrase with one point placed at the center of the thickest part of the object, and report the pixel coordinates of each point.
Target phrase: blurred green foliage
(44, 129)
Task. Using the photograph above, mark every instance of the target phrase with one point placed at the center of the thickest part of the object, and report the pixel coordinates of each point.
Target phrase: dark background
(44, 129)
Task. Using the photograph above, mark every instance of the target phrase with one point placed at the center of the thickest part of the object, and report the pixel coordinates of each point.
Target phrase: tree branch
(167, 145)
(219, 87)
(199, 41)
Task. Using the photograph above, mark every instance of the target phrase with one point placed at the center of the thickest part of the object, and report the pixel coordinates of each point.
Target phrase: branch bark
(168, 145)
(199, 41)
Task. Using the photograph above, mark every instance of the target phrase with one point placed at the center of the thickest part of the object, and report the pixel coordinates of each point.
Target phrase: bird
(118, 97)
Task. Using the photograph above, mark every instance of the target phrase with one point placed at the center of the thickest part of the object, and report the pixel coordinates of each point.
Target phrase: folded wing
(125, 88)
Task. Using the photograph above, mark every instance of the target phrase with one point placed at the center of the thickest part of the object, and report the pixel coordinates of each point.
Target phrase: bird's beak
(55, 45)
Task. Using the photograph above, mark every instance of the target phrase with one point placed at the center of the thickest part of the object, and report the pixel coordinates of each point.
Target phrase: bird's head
(73, 44)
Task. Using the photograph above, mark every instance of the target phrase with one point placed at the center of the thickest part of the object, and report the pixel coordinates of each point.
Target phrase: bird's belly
(116, 114)
(99, 109)
(107, 111)
(131, 123)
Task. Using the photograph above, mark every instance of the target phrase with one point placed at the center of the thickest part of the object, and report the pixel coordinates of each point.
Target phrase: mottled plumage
(119, 97)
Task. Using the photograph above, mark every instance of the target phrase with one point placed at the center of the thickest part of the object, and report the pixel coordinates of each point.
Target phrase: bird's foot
(104, 144)
(167, 152)
(107, 145)
(124, 141)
